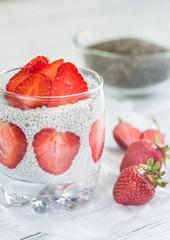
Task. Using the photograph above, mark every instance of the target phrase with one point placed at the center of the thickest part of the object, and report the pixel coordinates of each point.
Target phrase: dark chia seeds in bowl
(129, 63)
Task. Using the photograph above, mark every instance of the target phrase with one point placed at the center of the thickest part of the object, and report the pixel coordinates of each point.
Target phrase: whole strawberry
(136, 184)
(141, 150)
(125, 134)
(150, 134)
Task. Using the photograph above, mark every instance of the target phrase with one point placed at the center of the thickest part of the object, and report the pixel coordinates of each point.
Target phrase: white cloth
(96, 218)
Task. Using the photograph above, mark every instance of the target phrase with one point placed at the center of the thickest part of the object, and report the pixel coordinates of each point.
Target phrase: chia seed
(133, 63)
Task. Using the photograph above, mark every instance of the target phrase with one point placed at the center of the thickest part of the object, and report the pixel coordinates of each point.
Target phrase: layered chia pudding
(51, 127)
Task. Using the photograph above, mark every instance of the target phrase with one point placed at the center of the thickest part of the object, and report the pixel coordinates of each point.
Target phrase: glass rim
(99, 86)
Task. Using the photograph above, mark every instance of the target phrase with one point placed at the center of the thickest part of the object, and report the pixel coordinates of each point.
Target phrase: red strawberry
(11, 86)
(96, 138)
(140, 151)
(55, 151)
(35, 65)
(36, 85)
(68, 81)
(150, 135)
(51, 69)
(136, 184)
(16, 80)
(13, 144)
(125, 134)
(71, 75)
(61, 88)
(153, 135)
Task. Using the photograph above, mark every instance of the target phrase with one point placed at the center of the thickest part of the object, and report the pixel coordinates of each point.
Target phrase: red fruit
(150, 135)
(55, 151)
(70, 74)
(51, 69)
(68, 81)
(61, 88)
(13, 145)
(133, 187)
(140, 151)
(36, 85)
(125, 134)
(35, 65)
(12, 100)
(136, 185)
(96, 138)
(11, 86)
(16, 80)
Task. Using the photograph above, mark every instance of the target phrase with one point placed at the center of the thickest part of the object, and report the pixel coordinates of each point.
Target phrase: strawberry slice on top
(58, 81)
(37, 85)
(71, 75)
(35, 65)
(71, 81)
(96, 138)
(61, 88)
(55, 151)
(11, 86)
(16, 80)
(51, 69)
(13, 145)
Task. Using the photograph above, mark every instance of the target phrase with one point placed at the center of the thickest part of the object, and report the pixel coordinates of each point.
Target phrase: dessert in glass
(52, 129)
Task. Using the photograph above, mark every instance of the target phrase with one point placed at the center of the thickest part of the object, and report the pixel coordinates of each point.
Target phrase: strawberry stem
(157, 142)
(165, 149)
(156, 123)
(153, 175)
(162, 183)
(120, 120)
(150, 163)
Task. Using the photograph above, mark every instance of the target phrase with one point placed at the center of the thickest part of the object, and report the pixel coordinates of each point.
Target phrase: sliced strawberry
(96, 138)
(16, 80)
(12, 100)
(36, 85)
(13, 144)
(35, 65)
(61, 88)
(71, 75)
(150, 135)
(51, 69)
(11, 86)
(55, 151)
(68, 81)
(125, 134)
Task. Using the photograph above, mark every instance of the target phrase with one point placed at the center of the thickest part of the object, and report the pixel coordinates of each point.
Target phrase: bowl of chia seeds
(130, 65)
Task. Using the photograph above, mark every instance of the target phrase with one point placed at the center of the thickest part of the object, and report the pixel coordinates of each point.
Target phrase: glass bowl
(124, 73)
(49, 152)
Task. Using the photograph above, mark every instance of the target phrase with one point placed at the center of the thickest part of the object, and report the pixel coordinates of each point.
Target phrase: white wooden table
(47, 27)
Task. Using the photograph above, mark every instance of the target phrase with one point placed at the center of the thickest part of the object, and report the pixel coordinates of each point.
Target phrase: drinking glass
(63, 144)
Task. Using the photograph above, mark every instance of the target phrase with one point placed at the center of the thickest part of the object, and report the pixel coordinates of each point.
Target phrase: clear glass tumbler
(51, 152)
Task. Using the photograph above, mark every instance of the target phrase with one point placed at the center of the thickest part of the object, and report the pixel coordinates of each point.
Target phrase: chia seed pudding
(77, 118)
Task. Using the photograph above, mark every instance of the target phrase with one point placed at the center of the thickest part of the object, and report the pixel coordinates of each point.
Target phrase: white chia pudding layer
(76, 118)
